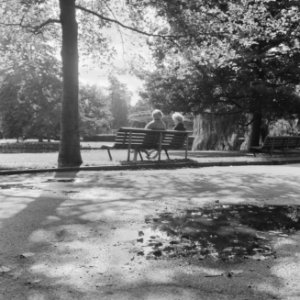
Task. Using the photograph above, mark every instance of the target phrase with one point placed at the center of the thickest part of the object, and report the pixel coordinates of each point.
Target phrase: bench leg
(109, 154)
(167, 154)
(135, 155)
(140, 154)
(128, 154)
(186, 148)
(159, 155)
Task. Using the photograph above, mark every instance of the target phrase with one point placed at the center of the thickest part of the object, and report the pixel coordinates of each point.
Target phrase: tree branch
(119, 30)
(34, 29)
(125, 26)
(11, 24)
(224, 113)
(229, 101)
(37, 29)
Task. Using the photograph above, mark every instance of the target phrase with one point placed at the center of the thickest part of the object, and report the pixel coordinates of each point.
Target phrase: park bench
(277, 143)
(139, 140)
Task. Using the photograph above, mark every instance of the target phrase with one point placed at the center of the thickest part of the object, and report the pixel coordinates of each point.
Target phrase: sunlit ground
(179, 234)
(94, 157)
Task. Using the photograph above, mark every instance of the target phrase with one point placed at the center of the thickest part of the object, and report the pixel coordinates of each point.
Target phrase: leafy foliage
(228, 57)
(30, 96)
(119, 101)
(94, 111)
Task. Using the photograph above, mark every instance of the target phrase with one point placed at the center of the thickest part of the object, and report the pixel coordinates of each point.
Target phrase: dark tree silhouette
(69, 151)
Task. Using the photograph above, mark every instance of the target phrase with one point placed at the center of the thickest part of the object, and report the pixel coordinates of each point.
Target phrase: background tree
(140, 113)
(95, 112)
(35, 16)
(119, 102)
(30, 89)
(232, 58)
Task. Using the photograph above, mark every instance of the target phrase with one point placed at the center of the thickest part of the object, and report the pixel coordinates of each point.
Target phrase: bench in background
(140, 140)
(277, 143)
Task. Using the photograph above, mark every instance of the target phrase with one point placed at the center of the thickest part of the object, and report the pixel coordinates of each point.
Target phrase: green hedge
(29, 147)
(100, 138)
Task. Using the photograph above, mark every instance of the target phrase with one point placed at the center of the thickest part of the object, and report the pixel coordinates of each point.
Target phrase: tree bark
(255, 129)
(213, 132)
(69, 150)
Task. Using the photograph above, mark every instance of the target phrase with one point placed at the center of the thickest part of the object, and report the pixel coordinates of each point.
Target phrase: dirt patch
(219, 232)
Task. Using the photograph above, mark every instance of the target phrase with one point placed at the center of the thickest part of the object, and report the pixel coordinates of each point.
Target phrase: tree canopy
(95, 114)
(30, 88)
(232, 57)
(225, 44)
(119, 102)
(81, 34)
(222, 57)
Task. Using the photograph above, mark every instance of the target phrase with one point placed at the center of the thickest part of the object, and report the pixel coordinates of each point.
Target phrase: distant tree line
(30, 103)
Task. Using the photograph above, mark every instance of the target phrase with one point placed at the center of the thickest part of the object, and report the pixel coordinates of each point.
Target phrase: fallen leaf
(4, 269)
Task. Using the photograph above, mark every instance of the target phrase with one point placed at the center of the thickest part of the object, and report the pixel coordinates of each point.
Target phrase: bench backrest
(274, 142)
(281, 142)
(174, 139)
(148, 139)
(293, 142)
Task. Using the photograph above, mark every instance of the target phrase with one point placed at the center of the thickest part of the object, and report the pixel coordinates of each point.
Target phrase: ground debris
(26, 255)
(227, 232)
(228, 274)
(4, 269)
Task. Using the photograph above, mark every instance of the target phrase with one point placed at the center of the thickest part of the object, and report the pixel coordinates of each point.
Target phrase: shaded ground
(232, 233)
(220, 232)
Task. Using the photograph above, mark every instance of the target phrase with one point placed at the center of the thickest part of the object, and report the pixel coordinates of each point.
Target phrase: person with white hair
(178, 120)
(157, 123)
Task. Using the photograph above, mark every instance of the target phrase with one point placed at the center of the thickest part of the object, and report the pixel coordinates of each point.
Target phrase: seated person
(156, 124)
(178, 120)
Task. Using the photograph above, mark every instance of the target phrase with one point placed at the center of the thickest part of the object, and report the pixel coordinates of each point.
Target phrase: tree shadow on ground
(14, 232)
(226, 232)
(27, 202)
(82, 250)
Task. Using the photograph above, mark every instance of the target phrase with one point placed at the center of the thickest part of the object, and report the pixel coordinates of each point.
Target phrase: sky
(99, 77)
(130, 49)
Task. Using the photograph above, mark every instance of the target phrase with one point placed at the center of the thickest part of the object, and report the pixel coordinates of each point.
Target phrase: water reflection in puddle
(225, 232)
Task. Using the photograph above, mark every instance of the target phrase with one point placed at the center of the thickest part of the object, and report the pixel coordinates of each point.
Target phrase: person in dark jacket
(178, 120)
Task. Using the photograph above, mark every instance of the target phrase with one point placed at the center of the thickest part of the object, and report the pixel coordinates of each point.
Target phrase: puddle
(221, 232)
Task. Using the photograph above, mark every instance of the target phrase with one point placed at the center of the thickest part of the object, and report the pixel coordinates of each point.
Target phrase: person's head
(157, 114)
(177, 117)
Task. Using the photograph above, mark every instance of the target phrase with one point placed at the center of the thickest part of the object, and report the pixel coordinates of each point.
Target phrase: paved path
(83, 235)
(99, 159)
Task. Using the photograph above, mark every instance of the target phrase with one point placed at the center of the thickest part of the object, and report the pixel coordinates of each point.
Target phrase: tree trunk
(215, 132)
(69, 150)
(255, 129)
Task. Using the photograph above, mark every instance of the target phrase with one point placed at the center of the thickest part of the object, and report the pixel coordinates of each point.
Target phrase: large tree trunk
(255, 132)
(255, 129)
(69, 151)
(215, 132)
